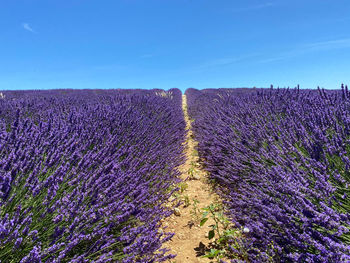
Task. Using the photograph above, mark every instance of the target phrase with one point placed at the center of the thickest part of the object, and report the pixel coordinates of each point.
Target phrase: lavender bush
(84, 174)
(281, 159)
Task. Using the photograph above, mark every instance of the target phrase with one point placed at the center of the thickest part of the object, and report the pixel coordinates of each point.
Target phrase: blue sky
(173, 43)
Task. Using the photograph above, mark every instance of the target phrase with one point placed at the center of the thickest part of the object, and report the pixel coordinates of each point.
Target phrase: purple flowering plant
(280, 159)
(84, 174)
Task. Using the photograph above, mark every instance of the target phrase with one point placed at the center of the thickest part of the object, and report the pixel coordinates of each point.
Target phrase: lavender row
(281, 159)
(84, 175)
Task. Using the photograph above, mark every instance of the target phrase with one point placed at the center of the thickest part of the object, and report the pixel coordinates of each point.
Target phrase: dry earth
(190, 240)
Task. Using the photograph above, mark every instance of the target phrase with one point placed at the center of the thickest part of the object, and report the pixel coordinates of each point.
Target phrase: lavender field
(84, 174)
(280, 159)
(87, 175)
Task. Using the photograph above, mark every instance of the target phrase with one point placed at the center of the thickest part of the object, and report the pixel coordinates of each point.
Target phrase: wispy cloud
(263, 5)
(296, 51)
(309, 48)
(226, 61)
(221, 62)
(255, 7)
(328, 45)
(27, 27)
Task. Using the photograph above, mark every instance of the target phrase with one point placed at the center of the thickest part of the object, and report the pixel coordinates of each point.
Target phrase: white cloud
(296, 51)
(27, 27)
(255, 7)
(328, 45)
(220, 62)
(309, 48)
(264, 5)
(226, 61)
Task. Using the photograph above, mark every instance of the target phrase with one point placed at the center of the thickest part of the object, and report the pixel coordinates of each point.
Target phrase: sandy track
(190, 239)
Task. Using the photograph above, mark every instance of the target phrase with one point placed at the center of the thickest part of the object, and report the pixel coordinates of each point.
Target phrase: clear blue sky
(173, 43)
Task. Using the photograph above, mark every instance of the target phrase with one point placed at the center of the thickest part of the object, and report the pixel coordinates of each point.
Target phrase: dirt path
(190, 239)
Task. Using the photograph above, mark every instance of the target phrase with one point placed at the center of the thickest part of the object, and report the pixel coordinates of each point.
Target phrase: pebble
(196, 177)
(177, 211)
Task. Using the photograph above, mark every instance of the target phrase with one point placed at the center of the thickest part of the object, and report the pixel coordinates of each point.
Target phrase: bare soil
(190, 241)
